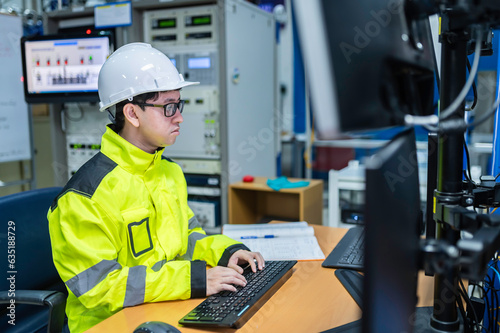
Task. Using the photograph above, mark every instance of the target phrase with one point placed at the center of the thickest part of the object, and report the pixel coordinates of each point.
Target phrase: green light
(167, 23)
(202, 20)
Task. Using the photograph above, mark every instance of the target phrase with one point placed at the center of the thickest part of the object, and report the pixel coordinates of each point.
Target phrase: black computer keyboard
(233, 309)
(349, 252)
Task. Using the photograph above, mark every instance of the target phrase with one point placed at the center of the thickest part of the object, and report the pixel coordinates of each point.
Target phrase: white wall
(285, 72)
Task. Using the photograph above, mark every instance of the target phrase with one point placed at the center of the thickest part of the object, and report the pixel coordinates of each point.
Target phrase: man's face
(156, 130)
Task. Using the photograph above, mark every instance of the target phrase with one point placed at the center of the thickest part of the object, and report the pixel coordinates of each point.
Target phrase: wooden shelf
(256, 201)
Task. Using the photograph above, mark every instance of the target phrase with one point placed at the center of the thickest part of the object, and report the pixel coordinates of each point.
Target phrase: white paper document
(281, 241)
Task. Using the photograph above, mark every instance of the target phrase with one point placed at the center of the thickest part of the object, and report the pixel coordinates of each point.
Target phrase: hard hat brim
(178, 86)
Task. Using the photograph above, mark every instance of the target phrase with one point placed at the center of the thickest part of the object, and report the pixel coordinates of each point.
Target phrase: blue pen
(248, 237)
(269, 236)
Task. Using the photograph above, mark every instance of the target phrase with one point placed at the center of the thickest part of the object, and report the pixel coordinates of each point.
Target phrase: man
(121, 230)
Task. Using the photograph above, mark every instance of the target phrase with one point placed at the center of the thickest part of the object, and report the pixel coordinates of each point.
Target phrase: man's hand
(222, 278)
(241, 257)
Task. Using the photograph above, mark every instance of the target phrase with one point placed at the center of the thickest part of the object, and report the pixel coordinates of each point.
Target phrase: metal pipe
(450, 166)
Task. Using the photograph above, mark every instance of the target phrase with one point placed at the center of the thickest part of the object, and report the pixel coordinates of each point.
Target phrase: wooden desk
(312, 300)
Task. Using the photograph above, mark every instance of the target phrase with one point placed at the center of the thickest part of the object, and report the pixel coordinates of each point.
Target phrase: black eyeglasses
(169, 109)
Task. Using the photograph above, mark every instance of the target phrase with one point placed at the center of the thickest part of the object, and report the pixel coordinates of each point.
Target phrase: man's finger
(236, 267)
(251, 262)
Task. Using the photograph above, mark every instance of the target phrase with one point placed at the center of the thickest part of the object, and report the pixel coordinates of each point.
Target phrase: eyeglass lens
(171, 108)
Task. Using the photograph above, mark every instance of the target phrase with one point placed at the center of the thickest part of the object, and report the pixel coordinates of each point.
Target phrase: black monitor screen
(368, 63)
(392, 215)
(63, 68)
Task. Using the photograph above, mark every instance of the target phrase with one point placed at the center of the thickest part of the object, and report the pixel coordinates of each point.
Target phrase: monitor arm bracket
(470, 254)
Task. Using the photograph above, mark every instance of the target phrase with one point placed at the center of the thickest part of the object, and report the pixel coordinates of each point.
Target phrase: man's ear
(129, 111)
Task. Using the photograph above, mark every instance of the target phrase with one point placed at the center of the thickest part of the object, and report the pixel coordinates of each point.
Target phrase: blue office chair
(31, 292)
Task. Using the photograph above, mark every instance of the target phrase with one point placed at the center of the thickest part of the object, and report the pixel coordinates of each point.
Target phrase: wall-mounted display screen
(166, 23)
(63, 68)
(196, 63)
(192, 21)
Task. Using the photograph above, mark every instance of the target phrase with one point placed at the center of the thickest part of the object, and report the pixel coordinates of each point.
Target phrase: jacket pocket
(139, 231)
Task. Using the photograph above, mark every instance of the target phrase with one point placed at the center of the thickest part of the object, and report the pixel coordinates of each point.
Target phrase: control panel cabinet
(228, 129)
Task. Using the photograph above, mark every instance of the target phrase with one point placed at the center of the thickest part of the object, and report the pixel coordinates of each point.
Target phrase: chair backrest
(25, 236)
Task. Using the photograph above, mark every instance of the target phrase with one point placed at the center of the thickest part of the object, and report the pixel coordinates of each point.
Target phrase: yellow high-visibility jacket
(122, 234)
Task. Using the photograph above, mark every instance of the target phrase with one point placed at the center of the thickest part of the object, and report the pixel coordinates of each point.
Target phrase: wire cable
(460, 305)
(460, 125)
(469, 303)
(467, 156)
(493, 308)
(450, 110)
(496, 271)
(487, 115)
(487, 300)
(497, 307)
(429, 122)
(474, 89)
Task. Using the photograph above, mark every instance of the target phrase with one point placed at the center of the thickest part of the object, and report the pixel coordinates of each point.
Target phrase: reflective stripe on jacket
(122, 234)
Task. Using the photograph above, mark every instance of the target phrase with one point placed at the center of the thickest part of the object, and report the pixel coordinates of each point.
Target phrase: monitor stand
(353, 283)
(422, 323)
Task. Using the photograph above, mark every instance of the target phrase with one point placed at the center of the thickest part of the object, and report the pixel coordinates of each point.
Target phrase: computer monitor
(392, 215)
(63, 68)
(368, 63)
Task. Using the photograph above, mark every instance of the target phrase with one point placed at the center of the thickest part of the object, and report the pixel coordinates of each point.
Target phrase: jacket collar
(125, 154)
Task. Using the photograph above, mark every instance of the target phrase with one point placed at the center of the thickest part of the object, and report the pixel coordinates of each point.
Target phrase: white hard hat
(135, 69)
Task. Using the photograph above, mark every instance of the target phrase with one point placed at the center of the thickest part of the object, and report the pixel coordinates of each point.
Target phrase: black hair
(120, 117)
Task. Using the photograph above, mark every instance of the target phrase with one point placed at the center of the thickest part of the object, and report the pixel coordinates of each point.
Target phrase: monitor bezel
(392, 221)
(373, 88)
(66, 96)
(317, 63)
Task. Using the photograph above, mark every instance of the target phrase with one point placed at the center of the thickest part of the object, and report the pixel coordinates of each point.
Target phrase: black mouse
(156, 327)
